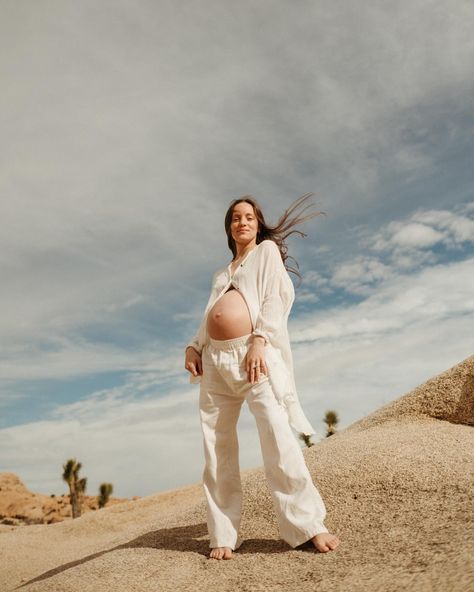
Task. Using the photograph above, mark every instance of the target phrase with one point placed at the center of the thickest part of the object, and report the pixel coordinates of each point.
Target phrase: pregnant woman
(242, 352)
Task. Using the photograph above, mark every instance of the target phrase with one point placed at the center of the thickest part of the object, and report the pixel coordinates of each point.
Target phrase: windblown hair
(278, 233)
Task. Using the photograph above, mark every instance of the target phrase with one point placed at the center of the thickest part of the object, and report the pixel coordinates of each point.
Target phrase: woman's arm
(195, 341)
(271, 313)
(193, 350)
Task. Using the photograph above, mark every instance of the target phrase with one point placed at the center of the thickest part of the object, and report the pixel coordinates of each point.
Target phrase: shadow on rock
(188, 539)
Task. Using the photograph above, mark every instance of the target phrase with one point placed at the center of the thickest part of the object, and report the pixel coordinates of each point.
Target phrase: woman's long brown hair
(278, 233)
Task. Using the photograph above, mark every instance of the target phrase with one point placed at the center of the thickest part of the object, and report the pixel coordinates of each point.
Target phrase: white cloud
(359, 275)
(457, 229)
(306, 297)
(69, 358)
(399, 302)
(409, 260)
(424, 229)
(416, 236)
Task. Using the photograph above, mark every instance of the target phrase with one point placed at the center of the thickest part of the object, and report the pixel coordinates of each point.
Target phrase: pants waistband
(230, 344)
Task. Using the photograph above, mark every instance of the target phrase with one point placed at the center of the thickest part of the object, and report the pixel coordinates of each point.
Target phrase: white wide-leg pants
(224, 386)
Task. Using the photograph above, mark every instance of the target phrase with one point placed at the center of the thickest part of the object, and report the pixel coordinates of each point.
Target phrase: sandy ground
(398, 487)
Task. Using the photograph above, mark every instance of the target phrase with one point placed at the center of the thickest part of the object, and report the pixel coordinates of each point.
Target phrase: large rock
(448, 396)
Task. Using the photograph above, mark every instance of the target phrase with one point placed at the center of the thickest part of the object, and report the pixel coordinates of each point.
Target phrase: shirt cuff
(260, 333)
(195, 346)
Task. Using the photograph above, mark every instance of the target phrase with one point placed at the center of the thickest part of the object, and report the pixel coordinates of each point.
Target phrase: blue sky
(128, 128)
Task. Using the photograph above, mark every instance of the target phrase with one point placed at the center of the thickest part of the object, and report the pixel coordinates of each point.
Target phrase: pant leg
(298, 504)
(219, 409)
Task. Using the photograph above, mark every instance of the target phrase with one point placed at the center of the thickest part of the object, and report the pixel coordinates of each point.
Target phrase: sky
(128, 128)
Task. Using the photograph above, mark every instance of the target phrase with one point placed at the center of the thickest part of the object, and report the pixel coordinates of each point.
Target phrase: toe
(325, 543)
(332, 543)
(221, 553)
(227, 553)
(335, 542)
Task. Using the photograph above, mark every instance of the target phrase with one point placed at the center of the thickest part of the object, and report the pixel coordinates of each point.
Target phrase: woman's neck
(242, 250)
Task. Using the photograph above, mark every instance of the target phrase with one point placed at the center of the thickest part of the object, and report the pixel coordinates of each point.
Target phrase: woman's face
(244, 224)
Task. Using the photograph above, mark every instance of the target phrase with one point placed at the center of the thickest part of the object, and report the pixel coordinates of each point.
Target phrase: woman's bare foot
(325, 541)
(221, 553)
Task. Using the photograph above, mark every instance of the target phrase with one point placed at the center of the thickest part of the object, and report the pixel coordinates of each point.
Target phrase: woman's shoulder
(268, 246)
(268, 243)
(269, 249)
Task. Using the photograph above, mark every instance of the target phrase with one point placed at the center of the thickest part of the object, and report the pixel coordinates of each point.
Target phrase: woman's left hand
(255, 360)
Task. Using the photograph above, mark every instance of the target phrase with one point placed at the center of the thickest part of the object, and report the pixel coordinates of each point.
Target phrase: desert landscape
(397, 484)
(19, 506)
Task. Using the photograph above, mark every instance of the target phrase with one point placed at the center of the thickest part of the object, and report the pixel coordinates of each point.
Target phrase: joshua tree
(306, 439)
(77, 487)
(331, 419)
(105, 490)
(81, 490)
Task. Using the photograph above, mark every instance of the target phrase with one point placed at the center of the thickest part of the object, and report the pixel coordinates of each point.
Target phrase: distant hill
(18, 505)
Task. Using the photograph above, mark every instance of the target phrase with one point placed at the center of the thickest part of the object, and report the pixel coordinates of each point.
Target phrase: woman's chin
(244, 238)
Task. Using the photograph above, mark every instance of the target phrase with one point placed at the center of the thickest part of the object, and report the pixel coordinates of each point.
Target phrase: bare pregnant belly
(229, 317)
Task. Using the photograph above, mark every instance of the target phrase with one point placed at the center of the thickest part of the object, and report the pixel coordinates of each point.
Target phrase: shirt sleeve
(271, 314)
(196, 341)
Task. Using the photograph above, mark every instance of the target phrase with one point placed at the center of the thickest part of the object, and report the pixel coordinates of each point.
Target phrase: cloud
(454, 228)
(416, 236)
(401, 301)
(358, 276)
(73, 358)
(425, 229)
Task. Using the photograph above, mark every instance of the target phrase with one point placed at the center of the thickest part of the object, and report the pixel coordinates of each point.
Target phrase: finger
(254, 374)
(199, 367)
(250, 373)
(249, 365)
(257, 374)
(248, 368)
(192, 368)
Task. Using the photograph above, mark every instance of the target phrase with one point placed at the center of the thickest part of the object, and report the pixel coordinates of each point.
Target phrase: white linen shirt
(263, 281)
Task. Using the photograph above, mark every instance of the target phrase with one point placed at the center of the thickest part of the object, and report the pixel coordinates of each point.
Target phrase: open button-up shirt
(263, 281)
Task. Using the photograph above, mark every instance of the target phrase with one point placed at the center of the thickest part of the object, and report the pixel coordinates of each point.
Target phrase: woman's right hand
(193, 362)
